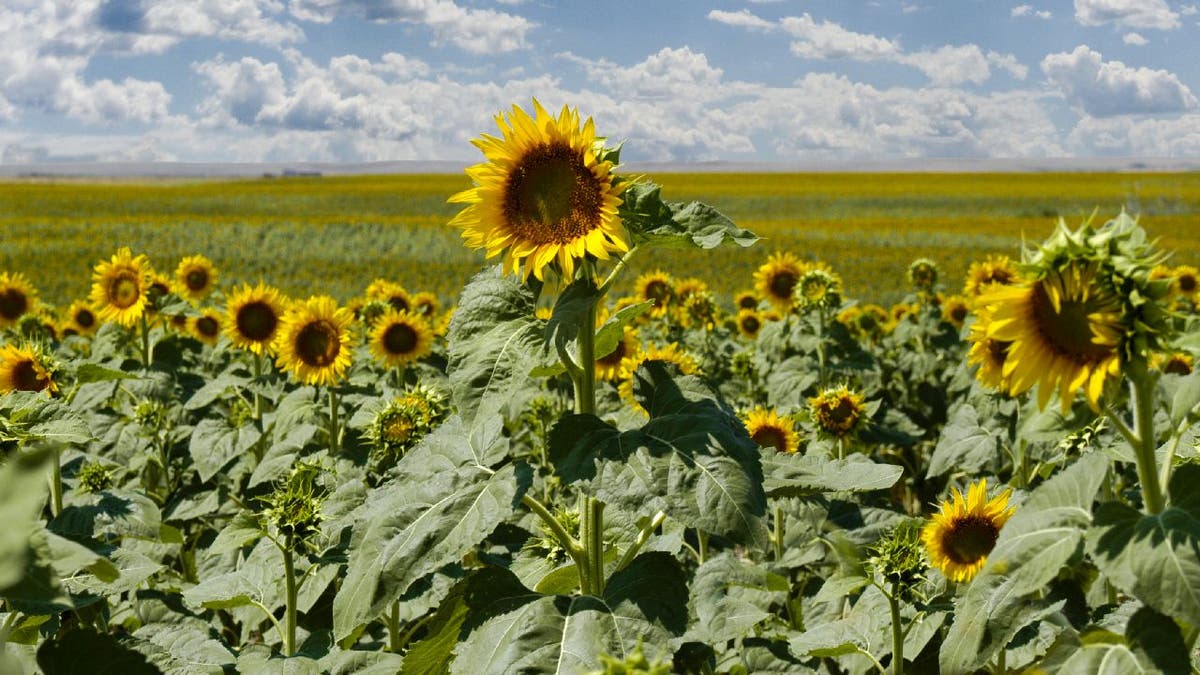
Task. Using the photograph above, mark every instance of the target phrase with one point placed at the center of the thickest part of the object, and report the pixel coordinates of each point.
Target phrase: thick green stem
(1142, 388)
(258, 368)
(702, 546)
(145, 344)
(620, 266)
(585, 402)
(393, 625)
(821, 378)
(56, 491)
(1002, 661)
(289, 573)
(593, 541)
(643, 536)
(335, 440)
(777, 537)
(569, 543)
(897, 631)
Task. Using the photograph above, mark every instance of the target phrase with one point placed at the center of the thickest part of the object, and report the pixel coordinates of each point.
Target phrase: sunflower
(749, 322)
(1065, 330)
(390, 292)
(398, 338)
(314, 341)
(995, 270)
(24, 369)
(838, 411)
(425, 304)
(819, 288)
(989, 354)
(657, 286)
(81, 319)
(1175, 363)
(206, 327)
(923, 275)
(158, 288)
(120, 286)
(253, 316)
(1187, 280)
(17, 297)
(770, 430)
(686, 288)
(698, 310)
(776, 279)
(960, 536)
(195, 277)
(745, 300)
(955, 311)
(608, 367)
(545, 194)
(684, 365)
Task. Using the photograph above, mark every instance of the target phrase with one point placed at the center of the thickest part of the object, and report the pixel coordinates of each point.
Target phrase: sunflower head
(1187, 280)
(17, 298)
(749, 323)
(253, 317)
(398, 338)
(314, 341)
(964, 531)
(777, 278)
(26, 368)
(657, 287)
(838, 412)
(989, 354)
(82, 318)
(608, 367)
(769, 430)
(745, 300)
(545, 195)
(426, 304)
(157, 290)
(1173, 363)
(955, 311)
(698, 310)
(402, 422)
(819, 288)
(982, 276)
(94, 477)
(120, 287)
(195, 277)
(923, 275)
(391, 293)
(899, 559)
(206, 327)
(294, 507)
(686, 288)
(681, 362)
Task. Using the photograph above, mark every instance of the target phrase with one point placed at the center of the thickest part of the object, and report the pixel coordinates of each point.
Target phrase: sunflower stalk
(258, 371)
(1142, 399)
(335, 440)
(897, 630)
(56, 491)
(289, 573)
(777, 536)
(145, 343)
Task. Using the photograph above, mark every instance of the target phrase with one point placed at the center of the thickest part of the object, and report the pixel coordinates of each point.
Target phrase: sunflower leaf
(965, 444)
(678, 225)
(790, 475)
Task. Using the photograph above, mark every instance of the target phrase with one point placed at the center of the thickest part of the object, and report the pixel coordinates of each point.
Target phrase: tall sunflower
(314, 341)
(24, 369)
(391, 293)
(400, 337)
(961, 535)
(683, 362)
(989, 354)
(120, 287)
(17, 298)
(544, 195)
(253, 316)
(770, 430)
(1065, 330)
(776, 279)
(195, 277)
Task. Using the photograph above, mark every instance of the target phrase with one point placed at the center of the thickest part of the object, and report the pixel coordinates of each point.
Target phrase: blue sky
(789, 80)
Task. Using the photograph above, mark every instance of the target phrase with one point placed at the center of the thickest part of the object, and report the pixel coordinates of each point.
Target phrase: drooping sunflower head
(314, 341)
(398, 338)
(658, 287)
(819, 288)
(608, 367)
(120, 287)
(1064, 332)
(253, 317)
(838, 412)
(399, 424)
(82, 318)
(206, 327)
(391, 293)
(26, 368)
(777, 278)
(17, 298)
(982, 276)
(959, 537)
(545, 194)
(955, 311)
(769, 430)
(195, 277)
(745, 300)
(923, 275)
(680, 360)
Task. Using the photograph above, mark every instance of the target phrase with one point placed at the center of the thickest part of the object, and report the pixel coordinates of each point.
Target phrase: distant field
(336, 234)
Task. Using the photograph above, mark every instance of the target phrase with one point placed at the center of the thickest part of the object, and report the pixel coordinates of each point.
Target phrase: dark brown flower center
(838, 415)
(25, 377)
(958, 313)
(1177, 365)
(317, 343)
(207, 326)
(1068, 332)
(769, 436)
(84, 318)
(782, 283)
(399, 338)
(998, 351)
(1187, 283)
(124, 289)
(969, 539)
(13, 303)
(747, 302)
(196, 279)
(614, 357)
(750, 325)
(657, 290)
(256, 321)
(399, 303)
(551, 196)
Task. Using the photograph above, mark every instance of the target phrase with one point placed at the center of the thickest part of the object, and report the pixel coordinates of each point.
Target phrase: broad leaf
(965, 444)
(86, 652)
(791, 475)
(731, 597)
(23, 486)
(678, 225)
(214, 443)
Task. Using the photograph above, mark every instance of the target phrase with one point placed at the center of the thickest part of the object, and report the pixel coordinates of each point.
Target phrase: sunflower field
(587, 461)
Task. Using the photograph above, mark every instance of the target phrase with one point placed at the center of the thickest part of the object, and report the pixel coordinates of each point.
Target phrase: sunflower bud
(923, 275)
(294, 508)
(94, 477)
(401, 423)
(899, 558)
(633, 664)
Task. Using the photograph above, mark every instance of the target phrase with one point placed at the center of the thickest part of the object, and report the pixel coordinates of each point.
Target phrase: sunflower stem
(572, 545)
(616, 271)
(393, 626)
(643, 536)
(257, 376)
(897, 630)
(56, 491)
(335, 440)
(777, 536)
(289, 573)
(821, 349)
(145, 343)
(1142, 389)
(593, 542)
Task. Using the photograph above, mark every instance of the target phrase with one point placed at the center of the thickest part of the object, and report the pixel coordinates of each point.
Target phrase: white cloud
(1134, 39)
(1151, 14)
(244, 20)
(743, 18)
(240, 90)
(951, 64)
(479, 31)
(1146, 137)
(1189, 10)
(829, 40)
(1027, 10)
(1102, 88)
(1008, 62)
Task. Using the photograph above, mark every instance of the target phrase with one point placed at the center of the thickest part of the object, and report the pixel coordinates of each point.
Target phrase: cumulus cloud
(1125, 136)
(743, 18)
(1151, 14)
(829, 40)
(1103, 88)
(479, 31)
(1027, 10)
(1134, 39)
(244, 20)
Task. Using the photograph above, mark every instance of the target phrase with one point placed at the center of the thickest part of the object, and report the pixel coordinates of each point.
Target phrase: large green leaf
(731, 596)
(692, 460)
(111, 514)
(443, 503)
(86, 652)
(1037, 541)
(214, 443)
(788, 475)
(1155, 558)
(965, 444)
(495, 342)
(677, 225)
(23, 490)
(32, 416)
